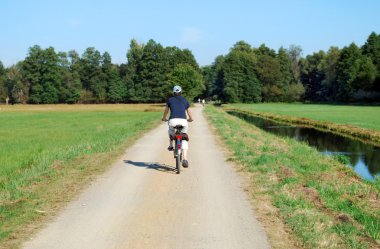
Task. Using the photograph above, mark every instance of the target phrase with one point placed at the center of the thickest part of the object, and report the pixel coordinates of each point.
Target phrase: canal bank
(365, 135)
(363, 157)
(322, 202)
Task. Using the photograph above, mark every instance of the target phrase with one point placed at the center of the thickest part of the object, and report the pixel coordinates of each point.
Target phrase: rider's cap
(177, 89)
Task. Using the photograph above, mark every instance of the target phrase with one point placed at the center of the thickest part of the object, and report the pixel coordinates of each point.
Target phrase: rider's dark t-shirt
(178, 106)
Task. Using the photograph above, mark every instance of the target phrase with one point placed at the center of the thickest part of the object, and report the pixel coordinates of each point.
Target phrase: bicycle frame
(178, 147)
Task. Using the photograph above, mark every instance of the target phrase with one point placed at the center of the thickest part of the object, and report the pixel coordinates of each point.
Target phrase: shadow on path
(156, 166)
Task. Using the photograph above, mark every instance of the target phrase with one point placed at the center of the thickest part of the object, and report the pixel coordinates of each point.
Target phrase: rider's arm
(190, 114)
(165, 113)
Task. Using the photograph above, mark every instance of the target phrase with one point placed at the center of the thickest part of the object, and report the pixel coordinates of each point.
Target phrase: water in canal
(364, 158)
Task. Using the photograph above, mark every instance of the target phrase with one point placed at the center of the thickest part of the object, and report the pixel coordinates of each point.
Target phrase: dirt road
(142, 203)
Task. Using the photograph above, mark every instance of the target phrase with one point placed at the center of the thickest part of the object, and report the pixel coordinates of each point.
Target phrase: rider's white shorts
(179, 121)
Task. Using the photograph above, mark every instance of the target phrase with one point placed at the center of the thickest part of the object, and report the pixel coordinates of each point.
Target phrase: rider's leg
(184, 152)
(170, 132)
(185, 144)
(185, 147)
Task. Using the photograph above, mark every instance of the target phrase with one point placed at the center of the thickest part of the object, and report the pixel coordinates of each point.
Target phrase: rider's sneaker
(185, 163)
(170, 148)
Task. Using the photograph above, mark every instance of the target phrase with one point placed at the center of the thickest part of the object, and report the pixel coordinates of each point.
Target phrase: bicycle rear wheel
(177, 155)
(178, 164)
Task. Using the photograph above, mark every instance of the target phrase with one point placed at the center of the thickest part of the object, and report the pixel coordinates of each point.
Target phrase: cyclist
(178, 106)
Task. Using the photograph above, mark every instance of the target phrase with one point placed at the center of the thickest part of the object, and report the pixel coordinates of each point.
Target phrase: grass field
(44, 144)
(367, 117)
(322, 202)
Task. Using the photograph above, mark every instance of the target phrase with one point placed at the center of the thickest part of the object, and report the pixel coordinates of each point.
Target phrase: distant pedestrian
(199, 100)
(203, 102)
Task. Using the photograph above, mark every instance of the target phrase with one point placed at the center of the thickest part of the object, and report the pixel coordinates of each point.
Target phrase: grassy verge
(367, 117)
(324, 203)
(50, 152)
(345, 123)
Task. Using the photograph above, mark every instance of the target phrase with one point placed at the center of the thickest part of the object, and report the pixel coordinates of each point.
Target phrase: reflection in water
(364, 158)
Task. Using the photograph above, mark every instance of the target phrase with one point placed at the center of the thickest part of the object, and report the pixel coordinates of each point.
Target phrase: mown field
(367, 117)
(321, 202)
(46, 150)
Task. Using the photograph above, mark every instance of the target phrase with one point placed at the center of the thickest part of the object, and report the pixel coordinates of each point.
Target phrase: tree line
(49, 77)
(246, 74)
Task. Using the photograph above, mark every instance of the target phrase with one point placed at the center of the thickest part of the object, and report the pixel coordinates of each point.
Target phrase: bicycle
(178, 137)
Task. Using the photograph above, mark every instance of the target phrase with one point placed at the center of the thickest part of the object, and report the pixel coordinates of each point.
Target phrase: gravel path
(142, 203)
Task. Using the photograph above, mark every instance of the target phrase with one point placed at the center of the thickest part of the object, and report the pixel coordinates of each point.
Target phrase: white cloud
(191, 35)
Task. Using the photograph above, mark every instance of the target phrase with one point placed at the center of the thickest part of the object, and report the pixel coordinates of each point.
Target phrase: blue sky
(207, 28)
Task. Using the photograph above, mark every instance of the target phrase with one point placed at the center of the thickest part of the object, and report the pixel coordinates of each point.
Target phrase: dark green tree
(71, 85)
(313, 75)
(372, 49)
(355, 72)
(117, 89)
(286, 77)
(363, 84)
(131, 77)
(41, 72)
(330, 67)
(208, 78)
(264, 50)
(217, 80)
(92, 77)
(239, 77)
(152, 72)
(190, 80)
(269, 73)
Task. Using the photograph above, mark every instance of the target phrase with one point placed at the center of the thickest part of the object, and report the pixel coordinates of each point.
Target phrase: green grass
(323, 202)
(367, 117)
(40, 145)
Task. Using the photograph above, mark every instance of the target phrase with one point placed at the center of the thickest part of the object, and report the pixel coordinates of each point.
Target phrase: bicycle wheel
(178, 163)
(177, 158)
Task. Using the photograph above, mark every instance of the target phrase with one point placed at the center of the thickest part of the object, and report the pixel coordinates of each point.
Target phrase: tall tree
(330, 67)
(41, 72)
(372, 49)
(239, 76)
(286, 76)
(92, 76)
(71, 85)
(117, 89)
(131, 77)
(313, 75)
(355, 72)
(295, 53)
(31, 71)
(208, 78)
(217, 89)
(153, 70)
(269, 73)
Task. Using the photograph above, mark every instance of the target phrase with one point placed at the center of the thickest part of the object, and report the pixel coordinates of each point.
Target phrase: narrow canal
(363, 158)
